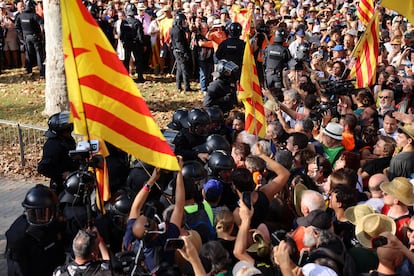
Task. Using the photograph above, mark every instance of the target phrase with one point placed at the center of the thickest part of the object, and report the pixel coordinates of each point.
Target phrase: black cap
(316, 218)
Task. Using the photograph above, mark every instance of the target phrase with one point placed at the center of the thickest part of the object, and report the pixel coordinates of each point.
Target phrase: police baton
(174, 67)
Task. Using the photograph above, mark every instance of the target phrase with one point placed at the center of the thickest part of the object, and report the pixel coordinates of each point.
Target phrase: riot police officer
(34, 244)
(276, 58)
(29, 26)
(56, 163)
(219, 167)
(222, 91)
(232, 49)
(194, 135)
(181, 50)
(132, 37)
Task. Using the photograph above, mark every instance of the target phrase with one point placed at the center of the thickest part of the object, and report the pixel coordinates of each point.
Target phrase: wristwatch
(147, 186)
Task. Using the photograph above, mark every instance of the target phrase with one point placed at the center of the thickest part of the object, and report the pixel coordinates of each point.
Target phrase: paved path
(12, 192)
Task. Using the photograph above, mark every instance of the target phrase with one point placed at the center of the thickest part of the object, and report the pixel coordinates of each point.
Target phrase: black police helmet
(29, 6)
(214, 142)
(40, 205)
(280, 36)
(198, 118)
(57, 123)
(131, 10)
(194, 169)
(179, 19)
(179, 120)
(220, 161)
(216, 114)
(235, 30)
(76, 185)
(120, 203)
(226, 68)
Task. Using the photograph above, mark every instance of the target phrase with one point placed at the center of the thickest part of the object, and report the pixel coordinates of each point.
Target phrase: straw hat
(407, 129)
(400, 188)
(372, 226)
(356, 213)
(297, 197)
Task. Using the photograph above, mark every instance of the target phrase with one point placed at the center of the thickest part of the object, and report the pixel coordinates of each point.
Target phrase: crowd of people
(327, 191)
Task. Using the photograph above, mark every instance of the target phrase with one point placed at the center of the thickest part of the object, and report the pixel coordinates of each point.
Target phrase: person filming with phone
(146, 229)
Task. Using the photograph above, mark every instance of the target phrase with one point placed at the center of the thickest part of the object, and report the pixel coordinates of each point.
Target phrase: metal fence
(22, 140)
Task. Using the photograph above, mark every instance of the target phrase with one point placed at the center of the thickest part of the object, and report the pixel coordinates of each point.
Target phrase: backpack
(200, 222)
(129, 30)
(93, 269)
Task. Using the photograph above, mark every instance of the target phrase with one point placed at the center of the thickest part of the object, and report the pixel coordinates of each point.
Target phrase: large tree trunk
(56, 97)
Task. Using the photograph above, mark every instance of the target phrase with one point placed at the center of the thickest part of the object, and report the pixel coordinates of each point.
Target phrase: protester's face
(289, 144)
(238, 125)
(367, 116)
(379, 147)
(385, 99)
(309, 239)
(390, 125)
(388, 199)
(336, 67)
(410, 233)
(269, 132)
(402, 140)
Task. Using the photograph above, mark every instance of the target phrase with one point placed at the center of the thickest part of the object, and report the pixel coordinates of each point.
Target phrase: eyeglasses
(384, 97)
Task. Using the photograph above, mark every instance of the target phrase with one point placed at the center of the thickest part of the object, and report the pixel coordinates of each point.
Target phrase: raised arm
(142, 195)
(241, 241)
(277, 183)
(178, 212)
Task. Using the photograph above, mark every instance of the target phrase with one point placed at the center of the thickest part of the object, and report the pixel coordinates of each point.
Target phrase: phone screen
(247, 199)
(173, 244)
(378, 241)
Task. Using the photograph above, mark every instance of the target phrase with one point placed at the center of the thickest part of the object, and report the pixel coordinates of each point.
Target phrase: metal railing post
(21, 144)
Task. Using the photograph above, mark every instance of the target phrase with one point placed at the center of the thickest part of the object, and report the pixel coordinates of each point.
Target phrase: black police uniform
(276, 57)
(29, 27)
(55, 160)
(185, 142)
(132, 37)
(221, 92)
(33, 250)
(232, 49)
(181, 50)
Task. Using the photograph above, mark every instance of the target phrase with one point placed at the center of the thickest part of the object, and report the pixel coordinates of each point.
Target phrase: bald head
(374, 184)
(311, 200)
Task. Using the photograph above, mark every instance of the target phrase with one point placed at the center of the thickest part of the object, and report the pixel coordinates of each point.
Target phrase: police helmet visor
(202, 130)
(39, 216)
(230, 67)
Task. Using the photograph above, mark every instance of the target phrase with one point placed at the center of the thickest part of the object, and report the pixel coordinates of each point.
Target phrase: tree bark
(56, 96)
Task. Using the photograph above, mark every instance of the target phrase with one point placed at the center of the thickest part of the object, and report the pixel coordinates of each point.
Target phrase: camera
(278, 236)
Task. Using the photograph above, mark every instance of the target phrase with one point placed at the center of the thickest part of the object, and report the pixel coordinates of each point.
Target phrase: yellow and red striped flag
(403, 7)
(366, 55)
(104, 100)
(242, 16)
(251, 95)
(365, 11)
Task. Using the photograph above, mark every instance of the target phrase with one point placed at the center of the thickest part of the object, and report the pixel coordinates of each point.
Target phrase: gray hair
(313, 200)
(84, 244)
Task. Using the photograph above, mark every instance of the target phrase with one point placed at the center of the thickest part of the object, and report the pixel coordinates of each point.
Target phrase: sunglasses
(384, 97)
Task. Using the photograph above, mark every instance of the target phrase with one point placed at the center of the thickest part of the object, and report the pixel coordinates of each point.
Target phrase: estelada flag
(104, 100)
(403, 7)
(365, 11)
(366, 55)
(251, 95)
(242, 16)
